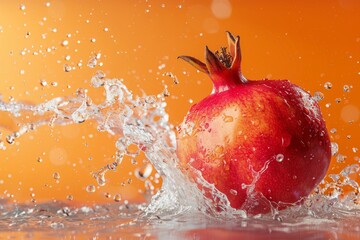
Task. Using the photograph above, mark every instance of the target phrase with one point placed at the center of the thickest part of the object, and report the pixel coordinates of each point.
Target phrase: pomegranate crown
(223, 67)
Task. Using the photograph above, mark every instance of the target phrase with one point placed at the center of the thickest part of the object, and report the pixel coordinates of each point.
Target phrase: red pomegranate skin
(268, 133)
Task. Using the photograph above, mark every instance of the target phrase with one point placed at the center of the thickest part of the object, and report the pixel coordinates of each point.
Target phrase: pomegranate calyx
(223, 67)
(195, 63)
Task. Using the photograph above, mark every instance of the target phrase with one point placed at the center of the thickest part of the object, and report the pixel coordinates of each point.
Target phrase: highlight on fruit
(262, 143)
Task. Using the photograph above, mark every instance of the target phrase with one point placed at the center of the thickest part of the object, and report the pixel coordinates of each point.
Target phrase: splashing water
(180, 202)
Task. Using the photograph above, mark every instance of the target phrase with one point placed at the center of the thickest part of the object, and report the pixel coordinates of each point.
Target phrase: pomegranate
(261, 143)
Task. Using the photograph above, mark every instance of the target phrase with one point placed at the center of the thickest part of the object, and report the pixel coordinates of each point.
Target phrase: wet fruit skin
(268, 133)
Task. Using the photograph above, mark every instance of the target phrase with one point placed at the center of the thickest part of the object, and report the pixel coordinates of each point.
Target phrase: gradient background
(307, 42)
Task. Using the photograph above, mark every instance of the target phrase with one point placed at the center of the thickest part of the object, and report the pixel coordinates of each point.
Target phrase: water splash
(136, 121)
(143, 122)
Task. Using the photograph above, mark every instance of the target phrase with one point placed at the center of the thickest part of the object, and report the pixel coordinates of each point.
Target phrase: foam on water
(143, 121)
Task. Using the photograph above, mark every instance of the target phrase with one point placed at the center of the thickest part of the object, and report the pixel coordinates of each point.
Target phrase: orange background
(307, 42)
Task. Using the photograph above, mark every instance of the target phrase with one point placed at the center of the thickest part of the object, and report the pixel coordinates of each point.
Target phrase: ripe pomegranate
(260, 143)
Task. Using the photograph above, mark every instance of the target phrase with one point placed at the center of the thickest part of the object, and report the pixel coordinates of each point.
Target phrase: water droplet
(117, 198)
(22, 7)
(56, 175)
(279, 157)
(255, 122)
(278, 218)
(337, 100)
(334, 148)
(355, 150)
(67, 68)
(333, 130)
(351, 169)
(233, 192)
(65, 43)
(346, 88)
(92, 40)
(166, 92)
(318, 96)
(92, 62)
(69, 197)
(90, 188)
(260, 107)
(81, 92)
(228, 118)
(98, 79)
(150, 99)
(143, 172)
(2, 145)
(10, 139)
(43, 83)
(340, 158)
(328, 85)
(161, 66)
(107, 195)
(106, 29)
(100, 178)
(39, 159)
(219, 149)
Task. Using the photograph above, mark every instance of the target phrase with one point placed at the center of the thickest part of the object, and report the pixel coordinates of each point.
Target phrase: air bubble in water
(143, 172)
(279, 157)
(334, 148)
(90, 188)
